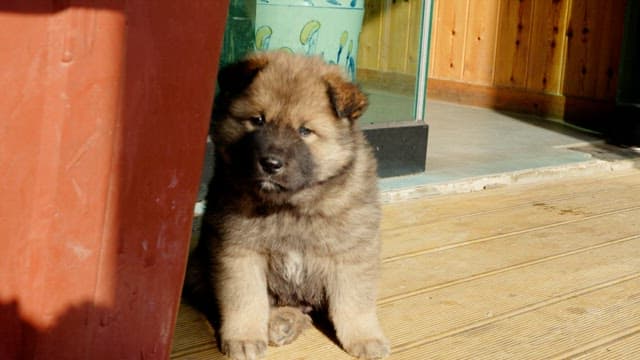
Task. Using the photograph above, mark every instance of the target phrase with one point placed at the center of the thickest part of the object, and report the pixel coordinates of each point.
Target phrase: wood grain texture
(369, 48)
(548, 47)
(537, 271)
(594, 38)
(572, 108)
(562, 47)
(609, 48)
(448, 41)
(414, 32)
(480, 42)
(395, 41)
(581, 48)
(514, 36)
(565, 48)
(433, 50)
(390, 36)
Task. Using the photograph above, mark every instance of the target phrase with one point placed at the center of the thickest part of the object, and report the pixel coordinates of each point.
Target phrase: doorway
(382, 45)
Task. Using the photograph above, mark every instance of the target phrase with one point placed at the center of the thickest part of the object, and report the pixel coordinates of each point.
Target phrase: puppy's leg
(286, 324)
(352, 308)
(244, 305)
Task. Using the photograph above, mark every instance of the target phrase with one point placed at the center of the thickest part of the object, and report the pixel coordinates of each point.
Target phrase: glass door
(381, 44)
(392, 61)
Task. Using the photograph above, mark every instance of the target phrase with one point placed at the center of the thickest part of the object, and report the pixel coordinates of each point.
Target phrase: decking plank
(548, 270)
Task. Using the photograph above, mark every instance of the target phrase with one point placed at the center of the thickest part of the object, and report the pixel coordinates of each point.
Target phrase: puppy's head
(284, 122)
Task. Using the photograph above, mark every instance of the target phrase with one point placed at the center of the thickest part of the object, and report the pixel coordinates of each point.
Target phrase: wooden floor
(544, 271)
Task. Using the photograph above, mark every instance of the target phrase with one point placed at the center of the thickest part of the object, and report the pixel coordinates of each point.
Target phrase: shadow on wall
(627, 127)
(549, 58)
(566, 53)
(24, 340)
(104, 114)
(570, 54)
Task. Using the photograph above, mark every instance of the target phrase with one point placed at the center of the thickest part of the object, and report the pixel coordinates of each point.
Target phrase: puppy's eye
(257, 121)
(304, 132)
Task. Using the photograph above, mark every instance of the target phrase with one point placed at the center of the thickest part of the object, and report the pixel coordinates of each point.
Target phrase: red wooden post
(104, 110)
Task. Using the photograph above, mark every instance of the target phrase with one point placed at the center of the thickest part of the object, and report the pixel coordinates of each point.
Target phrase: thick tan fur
(273, 255)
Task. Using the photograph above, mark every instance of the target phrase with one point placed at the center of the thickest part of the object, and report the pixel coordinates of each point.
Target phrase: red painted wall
(104, 110)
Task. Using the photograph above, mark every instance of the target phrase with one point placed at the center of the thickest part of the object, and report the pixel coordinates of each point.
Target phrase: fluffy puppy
(293, 215)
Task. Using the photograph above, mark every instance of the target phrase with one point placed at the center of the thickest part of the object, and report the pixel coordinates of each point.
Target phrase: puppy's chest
(294, 278)
(290, 266)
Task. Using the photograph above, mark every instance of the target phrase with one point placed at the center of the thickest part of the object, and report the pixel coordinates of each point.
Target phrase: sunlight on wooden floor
(550, 270)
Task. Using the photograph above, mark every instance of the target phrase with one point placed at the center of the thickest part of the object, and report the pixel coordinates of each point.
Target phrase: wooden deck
(543, 271)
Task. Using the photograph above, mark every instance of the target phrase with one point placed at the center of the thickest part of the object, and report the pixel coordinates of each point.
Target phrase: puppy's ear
(347, 99)
(234, 78)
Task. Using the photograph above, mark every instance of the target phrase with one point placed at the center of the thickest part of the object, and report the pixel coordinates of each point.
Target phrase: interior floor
(549, 270)
(467, 142)
(385, 105)
(470, 142)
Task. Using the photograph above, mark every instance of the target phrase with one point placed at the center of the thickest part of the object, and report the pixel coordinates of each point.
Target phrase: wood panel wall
(551, 57)
(390, 36)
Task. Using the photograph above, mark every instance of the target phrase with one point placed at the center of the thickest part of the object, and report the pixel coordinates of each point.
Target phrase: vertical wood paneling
(546, 60)
(385, 35)
(594, 38)
(577, 72)
(514, 35)
(390, 36)
(480, 41)
(435, 30)
(609, 51)
(448, 45)
(593, 21)
(369, 48)
(397, 31)
(413, 45)
(559, 47)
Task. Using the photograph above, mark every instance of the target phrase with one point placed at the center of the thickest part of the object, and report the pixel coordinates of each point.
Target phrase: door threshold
(420, 185)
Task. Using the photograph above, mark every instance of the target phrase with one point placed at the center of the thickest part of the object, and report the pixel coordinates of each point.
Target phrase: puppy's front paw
(285, 324)
(244, 349)
(368, 348)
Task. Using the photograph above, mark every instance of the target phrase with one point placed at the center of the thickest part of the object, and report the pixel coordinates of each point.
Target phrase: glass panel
(389, 58)
(377, 42)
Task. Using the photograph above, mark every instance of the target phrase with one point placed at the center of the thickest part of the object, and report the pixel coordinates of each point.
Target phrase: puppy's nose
(271, 164)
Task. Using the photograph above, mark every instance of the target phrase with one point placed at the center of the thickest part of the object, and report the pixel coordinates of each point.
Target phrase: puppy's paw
(368, 348)
(286, 324)
(244, 349)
